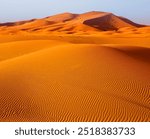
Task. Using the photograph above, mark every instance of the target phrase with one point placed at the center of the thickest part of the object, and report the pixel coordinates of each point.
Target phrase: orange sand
(64, 68)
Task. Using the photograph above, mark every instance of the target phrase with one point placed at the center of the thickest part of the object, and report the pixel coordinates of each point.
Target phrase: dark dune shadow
(139, 53)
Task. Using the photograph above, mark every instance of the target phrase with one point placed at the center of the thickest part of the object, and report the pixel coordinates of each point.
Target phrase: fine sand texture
(92, 67)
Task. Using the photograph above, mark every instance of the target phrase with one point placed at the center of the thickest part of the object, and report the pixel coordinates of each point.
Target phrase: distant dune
(68, 22)
(91, 67)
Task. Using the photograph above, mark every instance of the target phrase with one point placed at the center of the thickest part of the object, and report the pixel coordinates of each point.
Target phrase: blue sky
(13, 10)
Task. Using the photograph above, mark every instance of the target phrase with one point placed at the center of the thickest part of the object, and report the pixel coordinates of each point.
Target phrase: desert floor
(99, 77)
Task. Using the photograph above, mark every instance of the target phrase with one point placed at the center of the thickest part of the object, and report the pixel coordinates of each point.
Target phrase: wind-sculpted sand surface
(75, 73)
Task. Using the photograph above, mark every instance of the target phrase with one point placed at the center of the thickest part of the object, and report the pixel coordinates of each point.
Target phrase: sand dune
(75, 83)
(90, 21)
(67, 68)
(64, 17)
(16, 49)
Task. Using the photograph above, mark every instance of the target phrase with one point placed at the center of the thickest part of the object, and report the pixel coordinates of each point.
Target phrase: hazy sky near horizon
(13, 10)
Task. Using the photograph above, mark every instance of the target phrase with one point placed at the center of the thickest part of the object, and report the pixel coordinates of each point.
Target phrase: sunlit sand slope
(73, 82)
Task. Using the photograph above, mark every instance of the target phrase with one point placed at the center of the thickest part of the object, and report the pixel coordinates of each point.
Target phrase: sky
(14, 10)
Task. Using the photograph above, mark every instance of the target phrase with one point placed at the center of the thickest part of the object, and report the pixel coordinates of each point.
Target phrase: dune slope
(75, 83)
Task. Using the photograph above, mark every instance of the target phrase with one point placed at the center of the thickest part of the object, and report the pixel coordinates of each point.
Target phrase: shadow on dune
(139, 53)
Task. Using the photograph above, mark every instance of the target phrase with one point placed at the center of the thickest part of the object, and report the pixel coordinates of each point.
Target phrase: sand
(76, 72)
